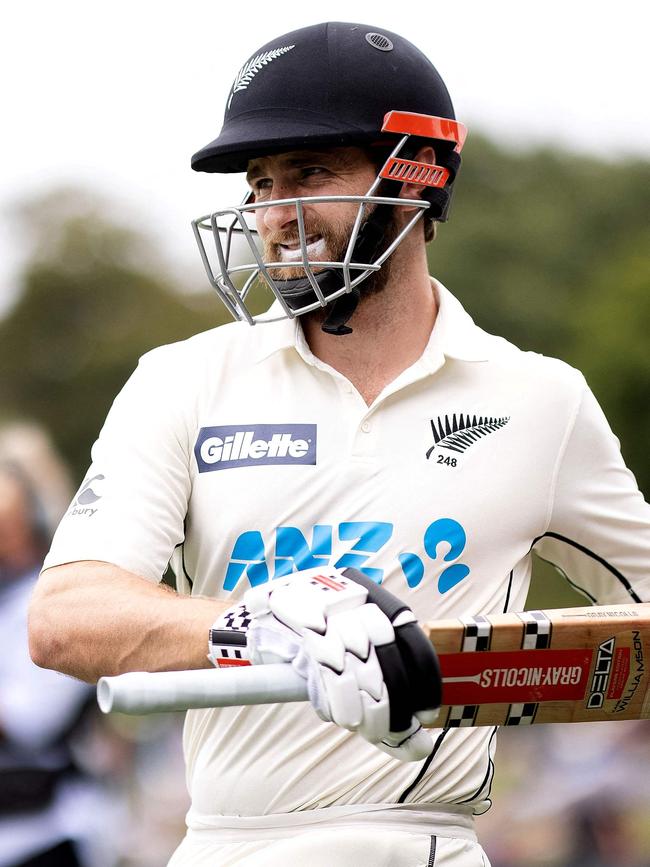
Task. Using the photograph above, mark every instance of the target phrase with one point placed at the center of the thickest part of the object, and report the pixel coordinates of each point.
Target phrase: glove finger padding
(345, 680)
(410, 666)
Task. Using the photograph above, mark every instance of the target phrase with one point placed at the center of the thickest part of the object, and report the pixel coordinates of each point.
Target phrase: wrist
(227, 638)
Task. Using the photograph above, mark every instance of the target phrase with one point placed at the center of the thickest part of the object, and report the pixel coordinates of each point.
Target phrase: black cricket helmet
(329, 85)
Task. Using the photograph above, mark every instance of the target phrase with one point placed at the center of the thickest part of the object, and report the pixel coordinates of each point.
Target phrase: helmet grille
(379, 41)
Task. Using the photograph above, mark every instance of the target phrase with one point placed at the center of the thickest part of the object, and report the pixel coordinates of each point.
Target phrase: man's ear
(426, 155)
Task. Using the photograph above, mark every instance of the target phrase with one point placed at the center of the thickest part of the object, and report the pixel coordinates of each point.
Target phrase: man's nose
(279, 217)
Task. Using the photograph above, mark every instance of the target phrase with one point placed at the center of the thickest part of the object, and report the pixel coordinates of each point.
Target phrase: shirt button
(365, 427)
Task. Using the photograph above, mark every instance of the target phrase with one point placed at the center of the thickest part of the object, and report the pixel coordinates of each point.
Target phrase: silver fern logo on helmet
(250, 69)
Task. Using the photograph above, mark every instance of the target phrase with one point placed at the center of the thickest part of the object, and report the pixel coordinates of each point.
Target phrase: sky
(117, 96)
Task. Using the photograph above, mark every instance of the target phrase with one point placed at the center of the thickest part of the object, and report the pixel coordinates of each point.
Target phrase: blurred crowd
(571, 796)
(78, 789)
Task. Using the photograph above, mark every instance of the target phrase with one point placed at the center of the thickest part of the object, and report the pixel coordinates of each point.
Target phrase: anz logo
(294, 552)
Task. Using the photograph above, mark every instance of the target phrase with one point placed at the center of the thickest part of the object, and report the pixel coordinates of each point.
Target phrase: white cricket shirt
(252, 458)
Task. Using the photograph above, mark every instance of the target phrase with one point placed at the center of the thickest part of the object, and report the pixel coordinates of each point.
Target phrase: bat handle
(140, 692)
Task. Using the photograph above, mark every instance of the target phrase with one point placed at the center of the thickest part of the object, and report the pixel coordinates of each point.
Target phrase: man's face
(342, 171)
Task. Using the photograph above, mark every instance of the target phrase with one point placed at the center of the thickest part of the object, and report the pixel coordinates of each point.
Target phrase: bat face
(564, 665)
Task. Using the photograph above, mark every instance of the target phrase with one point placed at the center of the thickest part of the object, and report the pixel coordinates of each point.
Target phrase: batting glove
(368, 665)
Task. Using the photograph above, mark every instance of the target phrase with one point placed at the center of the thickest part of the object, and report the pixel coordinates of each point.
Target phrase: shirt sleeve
(131, 506)
(598, 534)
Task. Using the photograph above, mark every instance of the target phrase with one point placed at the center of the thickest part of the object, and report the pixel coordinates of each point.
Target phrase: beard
(326, 242)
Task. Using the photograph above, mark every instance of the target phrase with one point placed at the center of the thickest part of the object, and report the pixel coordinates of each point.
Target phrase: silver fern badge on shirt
(459, 433)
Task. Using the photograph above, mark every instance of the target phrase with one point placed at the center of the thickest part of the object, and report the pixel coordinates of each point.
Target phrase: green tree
(613, 347)
(92, 301)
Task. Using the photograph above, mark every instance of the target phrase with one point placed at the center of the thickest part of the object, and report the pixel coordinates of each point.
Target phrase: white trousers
(353, 842)
(336, 848)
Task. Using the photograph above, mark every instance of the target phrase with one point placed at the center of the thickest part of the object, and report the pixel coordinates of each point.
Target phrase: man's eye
(262, 188)
(313, 170)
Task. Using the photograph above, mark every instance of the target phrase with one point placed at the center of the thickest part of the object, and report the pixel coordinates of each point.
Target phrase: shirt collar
(271, 337)
(454, 333)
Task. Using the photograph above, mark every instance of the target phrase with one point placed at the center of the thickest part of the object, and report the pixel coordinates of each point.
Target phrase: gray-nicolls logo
(86, 497)
(459, 433)
(250, 69)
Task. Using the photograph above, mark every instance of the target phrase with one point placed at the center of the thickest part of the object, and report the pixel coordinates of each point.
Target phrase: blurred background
(547, 245)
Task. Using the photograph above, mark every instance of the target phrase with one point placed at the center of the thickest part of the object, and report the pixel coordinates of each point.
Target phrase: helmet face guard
(325, 281)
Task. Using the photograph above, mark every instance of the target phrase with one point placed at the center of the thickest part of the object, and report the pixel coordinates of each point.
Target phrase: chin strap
(340, 312)
(368, 243)
(299, 292)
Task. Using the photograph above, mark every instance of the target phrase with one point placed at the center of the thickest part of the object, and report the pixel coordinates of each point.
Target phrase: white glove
(369, 667)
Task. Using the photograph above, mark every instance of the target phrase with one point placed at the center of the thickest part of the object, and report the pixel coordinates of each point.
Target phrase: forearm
(90, 619)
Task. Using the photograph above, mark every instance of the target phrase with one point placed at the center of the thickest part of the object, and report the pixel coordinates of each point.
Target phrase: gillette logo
(229, 446)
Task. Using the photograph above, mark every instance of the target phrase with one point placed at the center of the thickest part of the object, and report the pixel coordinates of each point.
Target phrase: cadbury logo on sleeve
(228, 446)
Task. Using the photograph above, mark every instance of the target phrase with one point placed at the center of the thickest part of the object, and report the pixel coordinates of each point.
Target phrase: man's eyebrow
(253, 173)
(303, 159)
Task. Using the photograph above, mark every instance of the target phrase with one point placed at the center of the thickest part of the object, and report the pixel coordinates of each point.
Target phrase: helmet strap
(367, 245)
(340, 312)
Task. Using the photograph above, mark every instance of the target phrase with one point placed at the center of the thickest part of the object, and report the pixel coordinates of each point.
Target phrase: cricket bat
(562, 665)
